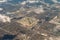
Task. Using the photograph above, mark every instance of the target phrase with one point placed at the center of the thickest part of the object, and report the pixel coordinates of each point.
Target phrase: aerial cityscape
(29, 19)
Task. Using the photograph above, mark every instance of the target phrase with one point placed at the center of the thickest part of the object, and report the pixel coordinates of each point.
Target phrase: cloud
(4, 18)
(32, 1)
(23, 3)
(3, 1)
(1, 9)
(55, 1)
